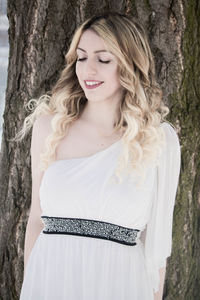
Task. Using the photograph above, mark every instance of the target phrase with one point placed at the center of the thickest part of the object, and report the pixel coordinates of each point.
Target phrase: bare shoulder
(41, 129)
(42, 124)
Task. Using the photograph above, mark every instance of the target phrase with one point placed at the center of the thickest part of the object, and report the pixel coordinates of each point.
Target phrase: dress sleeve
(158, 233)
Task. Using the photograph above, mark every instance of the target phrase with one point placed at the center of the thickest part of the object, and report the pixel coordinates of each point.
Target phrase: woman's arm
(41, 129)
(159, 294)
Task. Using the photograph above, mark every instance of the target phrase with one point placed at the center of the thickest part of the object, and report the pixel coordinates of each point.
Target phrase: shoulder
(171, 135)
(41, 129)
(171, 152)
(43, 121)
(42, 124)
(170, 159)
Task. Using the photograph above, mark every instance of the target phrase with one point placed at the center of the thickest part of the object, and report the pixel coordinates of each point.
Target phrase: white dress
(70, 267)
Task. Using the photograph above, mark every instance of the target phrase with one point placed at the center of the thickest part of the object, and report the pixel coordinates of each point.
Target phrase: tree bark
(39, 35)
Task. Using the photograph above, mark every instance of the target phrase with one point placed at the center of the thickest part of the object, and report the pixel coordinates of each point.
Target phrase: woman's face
(96, 69)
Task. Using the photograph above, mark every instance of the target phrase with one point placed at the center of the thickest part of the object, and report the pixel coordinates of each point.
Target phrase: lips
(92, 84)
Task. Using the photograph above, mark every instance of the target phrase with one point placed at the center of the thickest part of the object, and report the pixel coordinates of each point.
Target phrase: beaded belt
(90, 228)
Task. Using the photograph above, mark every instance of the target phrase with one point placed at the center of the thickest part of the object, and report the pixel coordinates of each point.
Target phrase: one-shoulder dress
(126, 233)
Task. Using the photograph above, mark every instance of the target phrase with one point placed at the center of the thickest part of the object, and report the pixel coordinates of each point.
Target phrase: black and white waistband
(90, 228)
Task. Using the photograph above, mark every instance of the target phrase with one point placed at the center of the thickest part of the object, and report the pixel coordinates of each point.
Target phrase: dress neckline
(89, 156)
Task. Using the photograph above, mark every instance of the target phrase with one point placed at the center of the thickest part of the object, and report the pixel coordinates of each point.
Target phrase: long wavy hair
(141, 110)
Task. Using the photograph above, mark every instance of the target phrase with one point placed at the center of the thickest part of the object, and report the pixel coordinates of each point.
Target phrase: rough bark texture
(39, 35)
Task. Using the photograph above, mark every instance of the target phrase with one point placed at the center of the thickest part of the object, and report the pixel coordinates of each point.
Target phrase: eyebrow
(97, 51)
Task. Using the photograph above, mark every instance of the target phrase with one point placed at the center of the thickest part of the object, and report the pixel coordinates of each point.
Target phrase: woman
(105, 168)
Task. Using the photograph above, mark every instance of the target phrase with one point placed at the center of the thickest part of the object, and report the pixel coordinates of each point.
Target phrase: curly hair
(142, 109)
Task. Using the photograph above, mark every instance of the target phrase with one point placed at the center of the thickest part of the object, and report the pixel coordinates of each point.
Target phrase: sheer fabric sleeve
(158, 235)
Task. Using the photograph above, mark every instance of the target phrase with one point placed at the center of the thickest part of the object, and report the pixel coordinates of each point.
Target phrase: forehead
(90, 41)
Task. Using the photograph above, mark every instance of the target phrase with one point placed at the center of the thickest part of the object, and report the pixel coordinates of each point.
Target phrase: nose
(90, 68)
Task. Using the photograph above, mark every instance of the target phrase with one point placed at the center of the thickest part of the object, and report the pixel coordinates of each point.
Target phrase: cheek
(77, 71)
(113, 76)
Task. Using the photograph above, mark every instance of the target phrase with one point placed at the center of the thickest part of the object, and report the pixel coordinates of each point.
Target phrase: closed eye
(81, 59)
(102, 61)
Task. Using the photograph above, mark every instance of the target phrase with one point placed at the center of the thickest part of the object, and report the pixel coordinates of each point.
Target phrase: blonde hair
(141, 109)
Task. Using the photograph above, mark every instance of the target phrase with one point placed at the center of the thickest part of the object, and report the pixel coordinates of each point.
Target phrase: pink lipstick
(92, 84)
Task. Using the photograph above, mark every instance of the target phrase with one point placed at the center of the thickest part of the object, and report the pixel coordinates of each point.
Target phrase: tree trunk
(39, 35)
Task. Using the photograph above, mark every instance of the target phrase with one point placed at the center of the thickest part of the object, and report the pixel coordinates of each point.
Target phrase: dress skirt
(68, 267)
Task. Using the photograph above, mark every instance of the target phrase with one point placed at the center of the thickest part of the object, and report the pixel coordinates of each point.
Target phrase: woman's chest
(85, 190)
